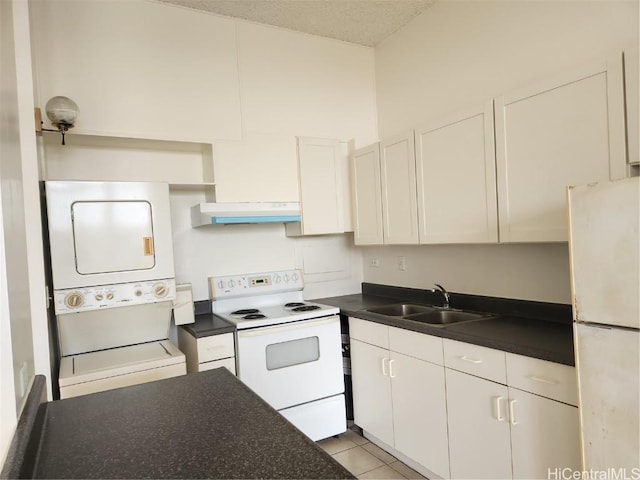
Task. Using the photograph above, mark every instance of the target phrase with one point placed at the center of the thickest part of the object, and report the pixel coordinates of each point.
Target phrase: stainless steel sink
(446, 317)
(402, 310)
(435, 316)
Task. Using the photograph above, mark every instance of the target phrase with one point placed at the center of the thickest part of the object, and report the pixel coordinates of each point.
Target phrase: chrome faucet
(441, 289)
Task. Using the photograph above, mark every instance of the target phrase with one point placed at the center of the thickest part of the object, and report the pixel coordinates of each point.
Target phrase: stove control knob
(99, 297)
(160, 290)
(286, 278)
(73, 300)
(220, 284)
(294, 277)
(109, 295)
(277, 278)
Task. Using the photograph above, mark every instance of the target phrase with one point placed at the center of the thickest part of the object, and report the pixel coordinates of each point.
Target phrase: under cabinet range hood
(249, 212)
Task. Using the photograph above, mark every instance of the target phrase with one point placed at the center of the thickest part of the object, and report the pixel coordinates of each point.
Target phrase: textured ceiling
(365, 22)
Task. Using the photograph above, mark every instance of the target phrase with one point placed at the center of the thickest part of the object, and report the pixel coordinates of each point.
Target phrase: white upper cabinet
(399, 200)
(322, 165)
(455, 163)
(139, 69)
(569, 130)
(367, 196)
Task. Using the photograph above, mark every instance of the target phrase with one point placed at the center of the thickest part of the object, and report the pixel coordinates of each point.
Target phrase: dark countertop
(520, 333)
(202, 425)
(207, 324)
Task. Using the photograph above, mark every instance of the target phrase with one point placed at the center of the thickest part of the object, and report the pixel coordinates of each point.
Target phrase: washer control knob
(109, 295)
(160, 290)
(73, 300)
(138, 293)
(99, 297)
(232, 284)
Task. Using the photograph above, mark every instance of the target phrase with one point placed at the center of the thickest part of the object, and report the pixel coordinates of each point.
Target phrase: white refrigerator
(605, 280)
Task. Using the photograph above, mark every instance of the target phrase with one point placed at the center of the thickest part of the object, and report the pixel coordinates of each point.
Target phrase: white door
(294, 363)
(479, 440)
(565, 131)
(399, 201)
(456, 173)
(604, 222)
(372, 390)
(420, 412)
(608, 364)
(367, 196)
(544, 435)
(112, 236)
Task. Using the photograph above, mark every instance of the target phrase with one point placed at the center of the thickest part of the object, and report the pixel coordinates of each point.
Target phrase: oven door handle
(256, 332)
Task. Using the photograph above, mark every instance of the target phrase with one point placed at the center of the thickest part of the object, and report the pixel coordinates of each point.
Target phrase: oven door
(294, 363)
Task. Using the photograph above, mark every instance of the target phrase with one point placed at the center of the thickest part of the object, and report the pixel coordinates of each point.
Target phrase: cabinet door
(455, 163)
(320, 186)
(565, 131)
(420, 412)
(399, 202)
(545, 435)
(479, 443)
(367, 198)
(372, 390)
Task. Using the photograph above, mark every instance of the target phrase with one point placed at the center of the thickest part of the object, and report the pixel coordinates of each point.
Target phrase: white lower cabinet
(479, 443)
(398, 393)
(455, 410)
(207, 353)
(498, 431)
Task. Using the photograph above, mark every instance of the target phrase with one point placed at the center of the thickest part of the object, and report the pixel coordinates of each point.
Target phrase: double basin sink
(435, 316)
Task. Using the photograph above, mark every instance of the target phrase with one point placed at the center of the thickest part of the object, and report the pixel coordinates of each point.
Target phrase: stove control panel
(73, 300)
(229, 286)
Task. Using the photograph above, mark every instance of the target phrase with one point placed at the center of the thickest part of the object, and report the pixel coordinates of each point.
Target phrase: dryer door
(112, 236)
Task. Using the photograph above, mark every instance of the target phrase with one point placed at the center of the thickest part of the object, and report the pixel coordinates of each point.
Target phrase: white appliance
(287, 350)
(605, 263)
(113, 280)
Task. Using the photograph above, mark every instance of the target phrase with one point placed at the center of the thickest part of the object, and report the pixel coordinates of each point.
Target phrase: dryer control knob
(110, 296)
(99, 297)
(160, 290)
(73, 300)
(138, 293)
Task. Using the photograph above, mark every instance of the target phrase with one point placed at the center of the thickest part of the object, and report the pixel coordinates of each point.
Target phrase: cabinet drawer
(369, 332)
(215, 347)
(228, 363)
(552, 380)
(417, 345)
(476, 360)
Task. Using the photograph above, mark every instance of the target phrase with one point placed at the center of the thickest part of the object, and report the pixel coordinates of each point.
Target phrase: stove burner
(306, 308)
(245, 311)
(293, 304)
(254, 316)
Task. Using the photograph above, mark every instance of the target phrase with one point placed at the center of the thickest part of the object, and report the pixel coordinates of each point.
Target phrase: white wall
(17, 343)
(459, 53)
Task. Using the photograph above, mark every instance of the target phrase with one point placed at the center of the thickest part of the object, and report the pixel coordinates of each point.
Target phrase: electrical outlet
(402, 263)
(374, 263)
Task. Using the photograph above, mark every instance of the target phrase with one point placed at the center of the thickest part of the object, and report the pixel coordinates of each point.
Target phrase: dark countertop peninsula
(535, 329)
(202, 425)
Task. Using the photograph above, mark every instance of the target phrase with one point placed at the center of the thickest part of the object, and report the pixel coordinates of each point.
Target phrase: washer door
(112, 236)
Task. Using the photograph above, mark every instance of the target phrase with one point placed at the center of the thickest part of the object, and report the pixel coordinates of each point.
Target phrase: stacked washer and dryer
(113, 284)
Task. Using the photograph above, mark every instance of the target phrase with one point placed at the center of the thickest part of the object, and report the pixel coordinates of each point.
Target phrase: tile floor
(364, 459)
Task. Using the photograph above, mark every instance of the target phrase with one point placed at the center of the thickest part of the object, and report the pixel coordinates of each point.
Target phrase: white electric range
(288, 351)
